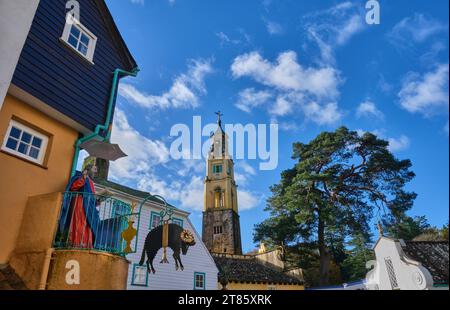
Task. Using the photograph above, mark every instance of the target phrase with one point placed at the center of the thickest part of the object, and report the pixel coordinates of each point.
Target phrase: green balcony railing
(96, 222)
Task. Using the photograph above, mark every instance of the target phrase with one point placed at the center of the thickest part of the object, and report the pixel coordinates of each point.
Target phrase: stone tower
(221, 229)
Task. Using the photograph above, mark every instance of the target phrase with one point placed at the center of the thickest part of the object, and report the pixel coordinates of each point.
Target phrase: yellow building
(55, 93)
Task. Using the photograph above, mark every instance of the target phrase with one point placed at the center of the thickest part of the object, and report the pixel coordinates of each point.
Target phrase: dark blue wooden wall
(56, 75)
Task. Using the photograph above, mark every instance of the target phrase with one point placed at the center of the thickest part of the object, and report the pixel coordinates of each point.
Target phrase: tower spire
(221, 228)
(219, 118)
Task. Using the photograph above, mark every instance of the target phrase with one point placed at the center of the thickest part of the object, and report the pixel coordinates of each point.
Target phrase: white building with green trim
(200, 271)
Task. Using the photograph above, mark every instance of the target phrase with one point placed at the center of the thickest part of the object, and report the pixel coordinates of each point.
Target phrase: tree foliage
(340, 180)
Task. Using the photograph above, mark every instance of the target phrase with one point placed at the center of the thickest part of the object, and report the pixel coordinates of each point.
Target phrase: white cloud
(243, 172)
(241, 179)
(191, 194)
(283, 106)
(426, 94)
(187, 193)
(415, 29)
(395, 144)
(250, 98)
(243, 165)
(192, 166)
(225, 39)
(322, 114)
(399, 144)
(248, 200)
(351, 27)
(312, 90)
(333, 27)
(184, 92)
(368, 108)
(287, 74)
(383, 85)
(141, 2)
(143, 153)
(273, 28)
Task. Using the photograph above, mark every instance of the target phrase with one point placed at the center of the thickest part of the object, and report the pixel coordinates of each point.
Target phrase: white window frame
(73, 22)
(203, 275)
(33, 133)
(142, 269)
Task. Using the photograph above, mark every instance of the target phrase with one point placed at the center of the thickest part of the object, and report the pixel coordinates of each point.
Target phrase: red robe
(80, 233)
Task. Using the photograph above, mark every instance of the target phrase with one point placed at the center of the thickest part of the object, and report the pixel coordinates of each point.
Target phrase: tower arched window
(219, 198)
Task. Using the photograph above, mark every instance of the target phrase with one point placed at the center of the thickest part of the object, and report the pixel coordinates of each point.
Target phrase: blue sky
(309, 66)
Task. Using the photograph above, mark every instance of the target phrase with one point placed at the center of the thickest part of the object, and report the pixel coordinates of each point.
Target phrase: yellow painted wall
(38, 227)
(236, 286)
(20, 179)
(97, 271)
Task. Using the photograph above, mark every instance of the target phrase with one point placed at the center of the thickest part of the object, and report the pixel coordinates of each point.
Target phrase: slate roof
(433, 255)
(249, 269)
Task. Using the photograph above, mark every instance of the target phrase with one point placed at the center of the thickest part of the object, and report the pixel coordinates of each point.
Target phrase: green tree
(339, 180)
(407, 228)
(358, 252)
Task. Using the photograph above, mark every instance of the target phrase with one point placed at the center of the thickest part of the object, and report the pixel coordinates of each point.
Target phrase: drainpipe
(45, 268)
(106, 126)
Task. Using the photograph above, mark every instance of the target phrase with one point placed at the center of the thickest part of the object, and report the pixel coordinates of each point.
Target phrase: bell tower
(221, 229)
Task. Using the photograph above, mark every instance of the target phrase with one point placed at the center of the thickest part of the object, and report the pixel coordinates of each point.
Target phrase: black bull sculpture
(179, 241)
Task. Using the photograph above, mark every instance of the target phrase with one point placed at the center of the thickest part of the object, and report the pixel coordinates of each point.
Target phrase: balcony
(57, 232)
(96, 222)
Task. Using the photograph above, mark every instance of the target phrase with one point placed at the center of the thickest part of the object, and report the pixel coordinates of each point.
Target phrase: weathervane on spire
(219, 118)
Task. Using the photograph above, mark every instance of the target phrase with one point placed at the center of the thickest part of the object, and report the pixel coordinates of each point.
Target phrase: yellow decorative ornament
(129, 233)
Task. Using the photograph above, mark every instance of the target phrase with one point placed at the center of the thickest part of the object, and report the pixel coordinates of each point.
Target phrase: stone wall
(230, 239)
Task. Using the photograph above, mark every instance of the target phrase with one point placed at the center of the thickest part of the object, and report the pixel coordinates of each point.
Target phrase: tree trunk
(324, 254)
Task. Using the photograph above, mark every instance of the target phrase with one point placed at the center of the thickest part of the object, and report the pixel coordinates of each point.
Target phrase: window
(218, 230)
(25, 142)
(140, 276)
(219, 198)
(217, 168)
(177, 221)
(79, 38)
(155, 220)
(228, 170)
(199, 281)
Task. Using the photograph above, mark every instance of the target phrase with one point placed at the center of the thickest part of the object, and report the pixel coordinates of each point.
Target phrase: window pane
(34, 152)
(26, 137)
(11, 144)
(23, 148)
(84, 39)
(75, 32)
(82, 49)
(37, 142)
(73, 41)
(15, 132)
(155, 221)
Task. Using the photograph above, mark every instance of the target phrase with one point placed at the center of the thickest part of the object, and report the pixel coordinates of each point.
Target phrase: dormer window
(79, 38)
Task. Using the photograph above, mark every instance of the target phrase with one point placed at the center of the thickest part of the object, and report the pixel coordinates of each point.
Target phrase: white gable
(393, 270)
(197, 260)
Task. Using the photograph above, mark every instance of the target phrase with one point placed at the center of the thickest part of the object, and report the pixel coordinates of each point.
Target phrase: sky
(309, 66)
